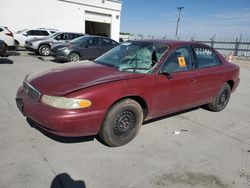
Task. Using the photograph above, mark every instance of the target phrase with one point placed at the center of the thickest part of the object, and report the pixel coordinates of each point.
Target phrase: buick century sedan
(134, 82)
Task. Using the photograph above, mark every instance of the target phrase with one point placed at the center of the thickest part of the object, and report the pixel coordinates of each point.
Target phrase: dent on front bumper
(59, 54)
(80, 122)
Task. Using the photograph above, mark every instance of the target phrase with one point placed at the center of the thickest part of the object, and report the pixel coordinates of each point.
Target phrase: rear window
(206, 57)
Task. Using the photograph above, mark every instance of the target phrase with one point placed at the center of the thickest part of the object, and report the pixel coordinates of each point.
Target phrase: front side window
(32, 32)
(205, 57)
(179, 60)
(93, 41)
(134, 56)
(63, 36)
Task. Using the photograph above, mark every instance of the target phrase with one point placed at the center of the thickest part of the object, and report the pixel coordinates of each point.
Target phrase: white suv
(25, 34)
(7, 36)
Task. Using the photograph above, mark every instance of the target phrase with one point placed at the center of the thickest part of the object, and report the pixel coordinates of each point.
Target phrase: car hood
(61, 45)
(65, 79)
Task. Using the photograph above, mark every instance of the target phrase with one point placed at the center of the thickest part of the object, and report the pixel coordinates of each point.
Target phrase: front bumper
(59, 55)
(80, 122)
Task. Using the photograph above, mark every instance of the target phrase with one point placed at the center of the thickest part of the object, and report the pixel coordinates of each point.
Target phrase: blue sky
(199, 18)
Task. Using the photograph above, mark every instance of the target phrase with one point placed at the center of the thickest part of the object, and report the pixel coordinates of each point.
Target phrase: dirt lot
(211, 151)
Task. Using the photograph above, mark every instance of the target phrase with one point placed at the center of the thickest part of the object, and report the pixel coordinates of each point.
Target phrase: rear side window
(43, 33)
(206, 57)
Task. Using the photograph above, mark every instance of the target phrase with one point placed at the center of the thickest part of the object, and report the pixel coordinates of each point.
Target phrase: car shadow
(58, 61)
(64, 180)
(62, 139)
(13, 53)
(5, 61)
(171, 115)
(32, 54)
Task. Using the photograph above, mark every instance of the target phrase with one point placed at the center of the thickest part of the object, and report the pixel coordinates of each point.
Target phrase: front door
(176, 82)
(91, 51)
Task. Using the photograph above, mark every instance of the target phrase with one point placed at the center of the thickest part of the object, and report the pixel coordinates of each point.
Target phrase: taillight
(10, 33)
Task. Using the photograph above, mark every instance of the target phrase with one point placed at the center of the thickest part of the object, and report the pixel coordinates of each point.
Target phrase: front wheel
(44, 50)
(221, 99)
(73, 57)
(122, 123)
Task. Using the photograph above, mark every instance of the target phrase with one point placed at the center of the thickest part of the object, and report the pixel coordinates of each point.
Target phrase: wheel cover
(223, 98)
(124, 123)
(45, 51)
(74, 57)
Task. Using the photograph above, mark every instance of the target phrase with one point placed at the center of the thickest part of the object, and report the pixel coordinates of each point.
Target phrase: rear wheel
(73, 57)
(44, 50)
(221, 99)
(122, 123)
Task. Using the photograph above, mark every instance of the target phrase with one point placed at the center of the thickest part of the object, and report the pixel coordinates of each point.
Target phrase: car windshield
(134, 56)
(78, 41)
(52, 35)
(21, 31)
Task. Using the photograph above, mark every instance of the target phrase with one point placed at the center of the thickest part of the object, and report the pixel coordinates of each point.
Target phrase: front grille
(31, 91)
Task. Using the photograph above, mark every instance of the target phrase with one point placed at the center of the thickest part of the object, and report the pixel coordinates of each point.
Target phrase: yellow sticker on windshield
(182, 62)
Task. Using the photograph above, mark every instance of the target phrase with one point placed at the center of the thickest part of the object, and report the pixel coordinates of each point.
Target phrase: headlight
(66, 103)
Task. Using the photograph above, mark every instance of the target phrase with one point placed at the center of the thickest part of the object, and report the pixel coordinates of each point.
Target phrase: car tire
(122, 123)
(44, 50)
(73, 57)
(221, 99)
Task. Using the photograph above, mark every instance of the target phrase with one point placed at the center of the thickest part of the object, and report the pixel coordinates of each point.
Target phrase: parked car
(86, 47)
(25, 34)
(3, 48)
(133, 82)
(7, 36)
(42, 46)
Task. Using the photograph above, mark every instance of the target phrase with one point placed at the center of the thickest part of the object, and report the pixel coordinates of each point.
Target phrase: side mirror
(168, 75)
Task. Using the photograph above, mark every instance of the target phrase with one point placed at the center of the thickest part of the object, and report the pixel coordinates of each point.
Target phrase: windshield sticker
(182, 62)
(126, 44)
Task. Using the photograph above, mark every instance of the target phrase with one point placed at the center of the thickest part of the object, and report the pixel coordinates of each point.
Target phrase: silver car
(42, 45)
(86, 47)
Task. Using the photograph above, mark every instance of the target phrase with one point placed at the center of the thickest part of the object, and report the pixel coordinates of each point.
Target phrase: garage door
(97, 17)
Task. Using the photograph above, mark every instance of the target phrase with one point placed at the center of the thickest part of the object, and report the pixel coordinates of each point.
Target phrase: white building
(98, 17)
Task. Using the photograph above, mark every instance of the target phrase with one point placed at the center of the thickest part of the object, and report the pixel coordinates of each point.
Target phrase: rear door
(211, 73)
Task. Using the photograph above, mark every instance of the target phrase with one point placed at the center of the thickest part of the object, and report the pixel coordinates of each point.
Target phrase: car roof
(61, 32)
(172, 42)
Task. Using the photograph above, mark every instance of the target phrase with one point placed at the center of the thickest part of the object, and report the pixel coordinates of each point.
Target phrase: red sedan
(133, 82)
